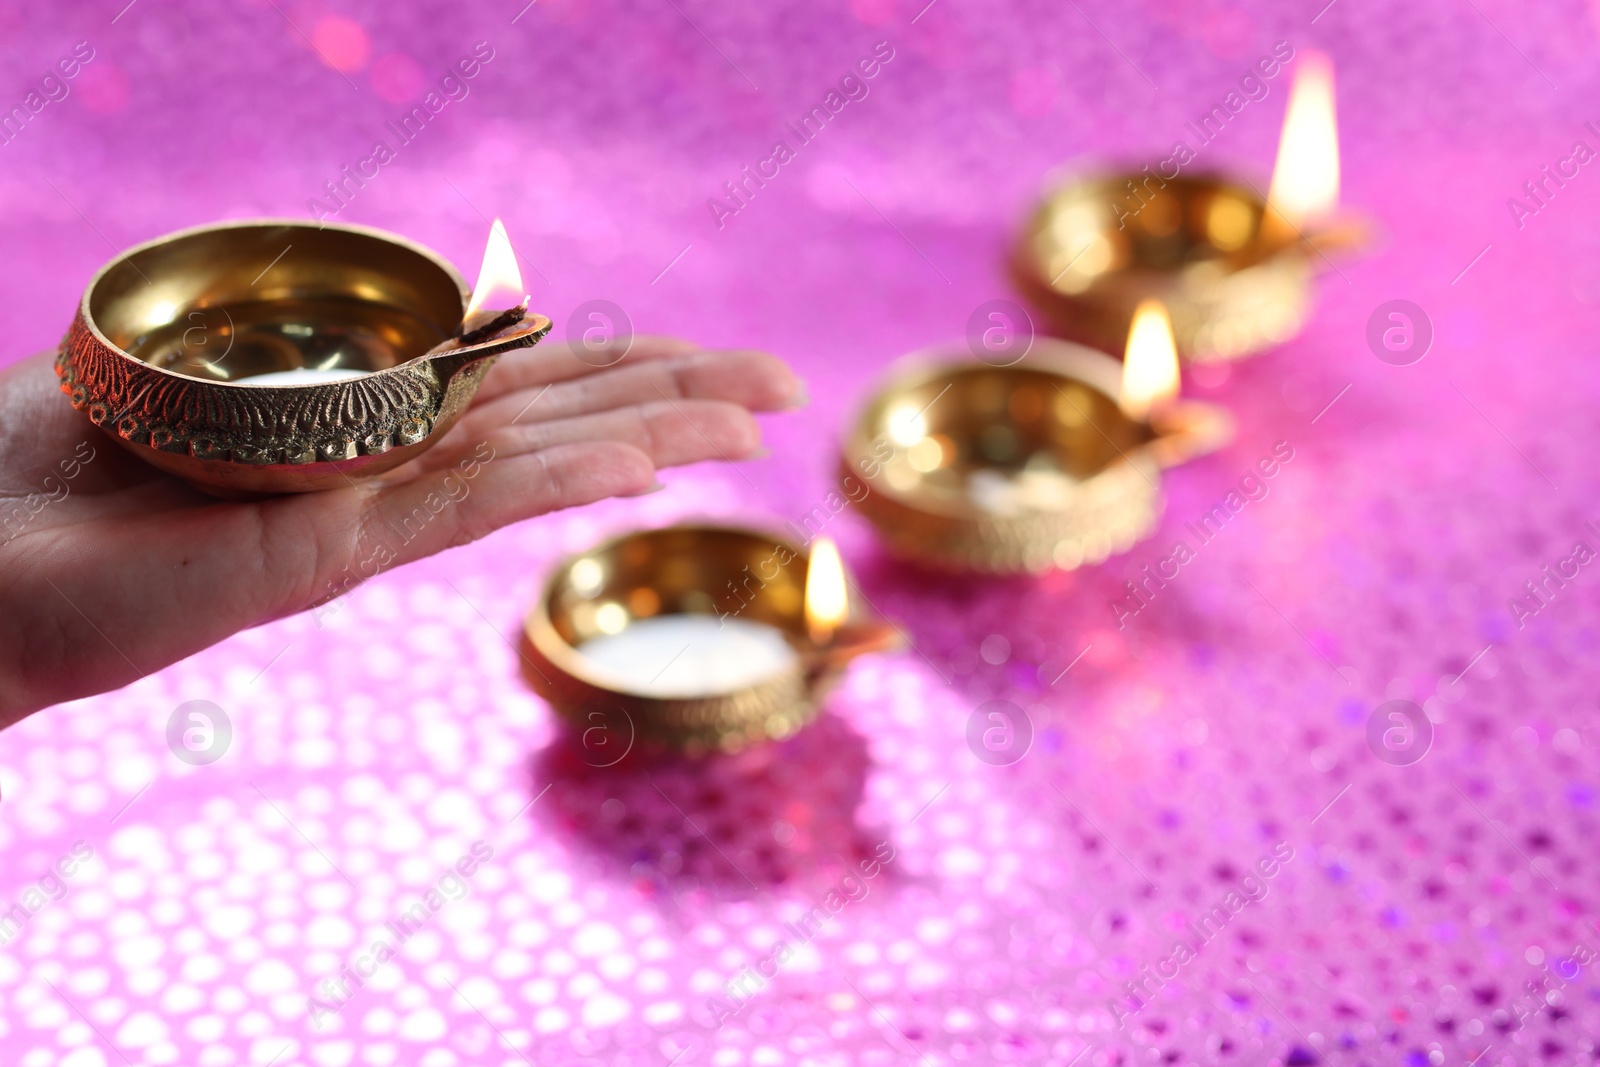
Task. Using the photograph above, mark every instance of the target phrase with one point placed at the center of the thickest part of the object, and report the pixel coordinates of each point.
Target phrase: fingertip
(799, 394)
(747, 436)
(785, 390)
(758, 380)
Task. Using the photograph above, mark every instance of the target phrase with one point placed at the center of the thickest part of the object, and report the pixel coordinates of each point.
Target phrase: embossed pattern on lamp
(1233, 268)
(794, 607)
(1050, 463)
(368, 344)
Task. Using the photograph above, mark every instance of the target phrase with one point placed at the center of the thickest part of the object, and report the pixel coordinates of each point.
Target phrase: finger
(752, 380)
(756, 379)
(671, 433)
(540, 365)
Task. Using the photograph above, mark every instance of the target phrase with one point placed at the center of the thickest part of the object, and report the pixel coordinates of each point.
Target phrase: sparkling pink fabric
(1441, 912)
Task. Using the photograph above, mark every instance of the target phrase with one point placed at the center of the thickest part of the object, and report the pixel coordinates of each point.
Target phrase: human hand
(110, 569)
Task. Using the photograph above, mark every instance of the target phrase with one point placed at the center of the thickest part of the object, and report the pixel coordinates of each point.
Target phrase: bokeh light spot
(342, 43)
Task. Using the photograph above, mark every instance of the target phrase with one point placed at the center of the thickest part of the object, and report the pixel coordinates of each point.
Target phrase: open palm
(110, 569)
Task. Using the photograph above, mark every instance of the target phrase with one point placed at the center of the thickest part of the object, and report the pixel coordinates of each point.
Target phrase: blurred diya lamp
(694, 638)
(1053, 462)
(1233, 269)
(277, 356)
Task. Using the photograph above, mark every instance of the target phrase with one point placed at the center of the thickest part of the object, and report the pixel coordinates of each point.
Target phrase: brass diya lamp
(695, 638)
(1233, 269)
(279, 356)
(1052, 462)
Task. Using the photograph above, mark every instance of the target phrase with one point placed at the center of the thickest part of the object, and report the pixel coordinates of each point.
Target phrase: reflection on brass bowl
(169, 335)
(723, 575)
(1234, 276)
(1019, 469)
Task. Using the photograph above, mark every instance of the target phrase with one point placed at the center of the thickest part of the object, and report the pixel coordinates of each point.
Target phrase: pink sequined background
(1428, 914)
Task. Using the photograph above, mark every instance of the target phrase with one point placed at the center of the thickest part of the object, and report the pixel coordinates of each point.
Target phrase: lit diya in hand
(1054, 462)
(1232, 268)
(284, 356)
(695, 638)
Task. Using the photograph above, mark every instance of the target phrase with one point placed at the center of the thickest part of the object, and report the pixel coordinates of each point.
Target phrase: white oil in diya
(306, 376)
(688, 656)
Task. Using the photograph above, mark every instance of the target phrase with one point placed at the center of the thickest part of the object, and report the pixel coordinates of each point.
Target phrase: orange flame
(1150, 366)
(1305, 180)
(827, 598)
(499, 276)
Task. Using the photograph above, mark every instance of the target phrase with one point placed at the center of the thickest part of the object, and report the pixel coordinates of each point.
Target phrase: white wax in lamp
(304, 376)
(1039, 486)
(685, 656)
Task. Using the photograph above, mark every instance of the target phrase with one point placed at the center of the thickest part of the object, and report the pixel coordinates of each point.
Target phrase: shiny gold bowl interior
(678, 570)
(1089, 232)
(226, 303)
(942, 427)
(1233, 275)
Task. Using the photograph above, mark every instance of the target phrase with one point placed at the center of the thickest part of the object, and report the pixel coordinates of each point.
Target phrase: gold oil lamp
(276, 356)
(695, 638)
(1051, 463)
(1234, 269)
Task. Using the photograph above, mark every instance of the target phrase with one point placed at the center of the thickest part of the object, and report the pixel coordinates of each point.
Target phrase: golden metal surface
(688, 569)
(1018, 469)
(1234, 278)
(168, 334)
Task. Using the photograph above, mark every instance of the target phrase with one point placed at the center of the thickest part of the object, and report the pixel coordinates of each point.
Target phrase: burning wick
(827, 599)
(500, 321)
(1150, 366)
(1305, 179)
(499, 278)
